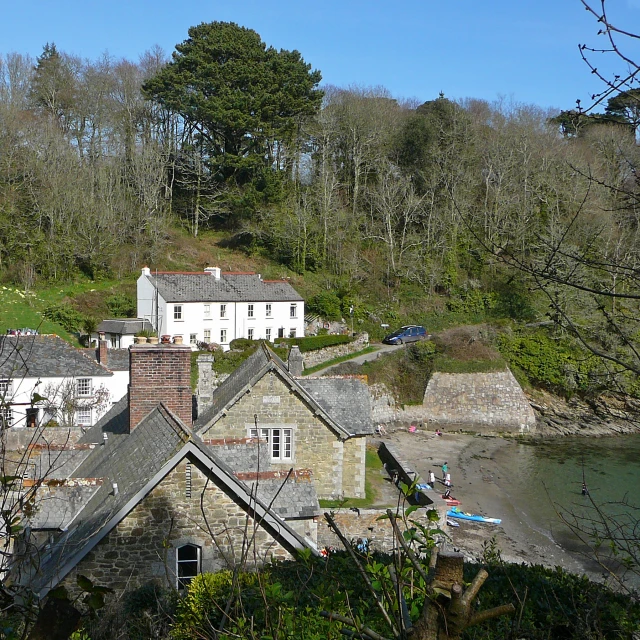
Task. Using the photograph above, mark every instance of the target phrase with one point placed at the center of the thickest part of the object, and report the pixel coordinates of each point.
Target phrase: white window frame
(292, 332)
(223, 310)
(84, 387)
(6, 388)
(177, 313)
(250, 333)
(207, 311)
(193, 338)
(267, 332)
(293, 310)
(250, 311)
(268, 310)
(223, 336)
(85, 421)
(183, 581)
(206, 336)
(280, 439)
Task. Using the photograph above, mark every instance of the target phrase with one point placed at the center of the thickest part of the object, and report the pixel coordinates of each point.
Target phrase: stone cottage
(141, 498)
(319, 424)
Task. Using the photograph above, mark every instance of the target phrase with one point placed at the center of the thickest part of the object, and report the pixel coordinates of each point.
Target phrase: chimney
(103, 353)
(295, 362)
(213, 271)
(206, 384)
(146, 271)
(159, 373)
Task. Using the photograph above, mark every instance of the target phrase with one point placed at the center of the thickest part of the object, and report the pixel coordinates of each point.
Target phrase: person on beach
(445, 468)
(447, 493)
(447, 480)
(432, 479)
(585, 491)
(438, 432)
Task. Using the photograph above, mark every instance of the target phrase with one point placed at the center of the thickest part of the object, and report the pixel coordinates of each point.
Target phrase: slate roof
(204, 287)
(45, 356)
(347, 400)
(124, 326)
(56, 507)
(117, 359)
(137, 462)
(344, 402)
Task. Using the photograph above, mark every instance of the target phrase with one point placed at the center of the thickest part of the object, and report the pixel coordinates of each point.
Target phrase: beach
(482, 487)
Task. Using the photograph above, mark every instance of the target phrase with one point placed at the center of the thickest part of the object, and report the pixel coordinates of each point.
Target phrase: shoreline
(477, 482)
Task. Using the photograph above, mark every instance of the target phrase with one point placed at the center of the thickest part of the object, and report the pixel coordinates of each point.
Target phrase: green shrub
(65, 315)
(326, 304)
(121, 305)
(313, 343)
(241, 344)
(472, 301)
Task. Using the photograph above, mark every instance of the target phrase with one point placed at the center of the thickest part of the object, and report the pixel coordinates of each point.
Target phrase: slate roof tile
(203, 287)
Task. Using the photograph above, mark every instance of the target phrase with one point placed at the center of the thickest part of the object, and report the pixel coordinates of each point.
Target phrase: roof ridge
(181, 426)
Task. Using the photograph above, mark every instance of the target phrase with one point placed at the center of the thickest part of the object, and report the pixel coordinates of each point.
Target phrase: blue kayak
(455, 512)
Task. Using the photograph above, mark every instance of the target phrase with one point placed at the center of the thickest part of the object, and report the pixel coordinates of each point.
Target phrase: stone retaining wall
(493, 401)
(313, 358)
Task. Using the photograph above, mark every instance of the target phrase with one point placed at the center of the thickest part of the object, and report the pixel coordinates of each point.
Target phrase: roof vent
(105, 437)
(213, 271)
(115, 488)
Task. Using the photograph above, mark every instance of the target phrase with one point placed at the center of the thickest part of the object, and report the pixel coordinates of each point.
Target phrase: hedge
(313, 343)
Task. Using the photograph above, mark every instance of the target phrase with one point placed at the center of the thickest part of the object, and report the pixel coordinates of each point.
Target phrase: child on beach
(445, 468)
(432, 479)
(447, 480)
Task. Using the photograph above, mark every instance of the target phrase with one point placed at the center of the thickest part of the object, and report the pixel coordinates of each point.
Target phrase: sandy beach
(477, 483)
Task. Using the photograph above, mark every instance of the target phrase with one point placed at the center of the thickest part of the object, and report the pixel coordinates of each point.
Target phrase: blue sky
(525, 50)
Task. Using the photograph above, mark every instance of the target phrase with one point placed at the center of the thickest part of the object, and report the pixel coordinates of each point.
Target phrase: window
(83, 417)
(280, 442)
(207, 310)
(83, 387)
(177, 312)
(207, 336)
(6, 417)
(114, 342)
(268, 310)
(292, 332)
(223, 336)
(193, 338)
(281, 332)
(250, 311)
(6, 388)
(268, 334)
(250, 334)
(223, 310)
(188, 564)
(32, 417)
(293, 311)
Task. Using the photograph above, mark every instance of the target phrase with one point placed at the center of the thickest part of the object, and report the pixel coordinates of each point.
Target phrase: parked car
(410, 333)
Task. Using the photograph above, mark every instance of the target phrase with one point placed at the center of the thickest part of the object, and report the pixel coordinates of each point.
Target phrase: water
(545, 478)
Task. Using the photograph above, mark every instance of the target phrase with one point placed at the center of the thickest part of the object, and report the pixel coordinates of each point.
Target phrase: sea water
(544, 480)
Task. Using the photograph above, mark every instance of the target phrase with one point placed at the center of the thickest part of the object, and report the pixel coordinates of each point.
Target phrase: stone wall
(142, 548)
(19, 438)
(386, 411)
(493, 401)
(315, 446)
(366, 524)
(313, 358)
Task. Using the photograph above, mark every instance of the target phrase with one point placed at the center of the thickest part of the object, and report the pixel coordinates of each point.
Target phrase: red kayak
(452, 502)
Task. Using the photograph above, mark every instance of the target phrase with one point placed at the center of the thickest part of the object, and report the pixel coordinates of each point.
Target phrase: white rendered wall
(22, 390)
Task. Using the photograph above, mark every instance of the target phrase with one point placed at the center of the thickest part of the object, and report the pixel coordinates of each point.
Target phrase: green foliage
(326, 304)
(472, 301)
(121, 305)
(242, 344)
(556, 364)
(65, 315)
(313, 343)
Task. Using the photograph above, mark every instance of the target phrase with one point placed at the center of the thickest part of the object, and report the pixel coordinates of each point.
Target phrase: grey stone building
(148, 500)
(319, 424)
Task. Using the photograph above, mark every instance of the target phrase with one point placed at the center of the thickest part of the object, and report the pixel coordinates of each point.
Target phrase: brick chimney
(103, 352)
(159, 373)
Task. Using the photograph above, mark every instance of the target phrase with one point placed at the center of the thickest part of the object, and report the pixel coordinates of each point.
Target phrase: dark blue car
(410, 333)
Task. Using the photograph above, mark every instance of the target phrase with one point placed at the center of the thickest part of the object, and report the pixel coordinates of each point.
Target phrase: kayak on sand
(455, 512)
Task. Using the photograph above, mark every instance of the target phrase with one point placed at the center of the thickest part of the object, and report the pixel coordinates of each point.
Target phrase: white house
(212, 306)
(44, 380)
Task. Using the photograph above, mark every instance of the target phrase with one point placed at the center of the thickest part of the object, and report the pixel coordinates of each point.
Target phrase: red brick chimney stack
(159, 373)
(103, 352)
